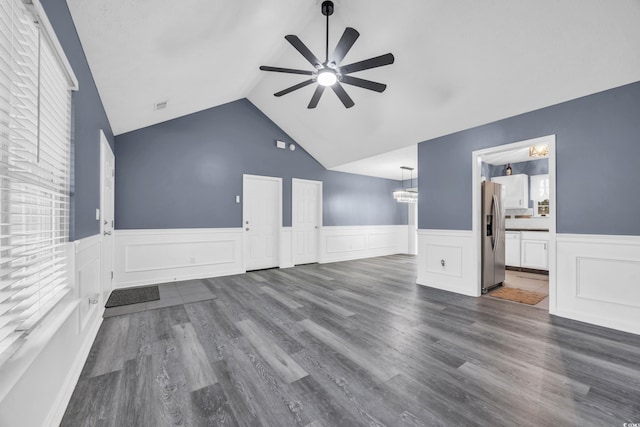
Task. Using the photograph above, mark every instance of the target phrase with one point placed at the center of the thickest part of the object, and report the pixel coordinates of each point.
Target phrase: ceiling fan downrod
(327, 10)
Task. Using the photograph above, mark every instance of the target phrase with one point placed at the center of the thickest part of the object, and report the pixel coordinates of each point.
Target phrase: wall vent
(160, 105)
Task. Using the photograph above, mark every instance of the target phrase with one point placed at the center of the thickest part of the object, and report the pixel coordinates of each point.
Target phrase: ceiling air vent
(160, 105)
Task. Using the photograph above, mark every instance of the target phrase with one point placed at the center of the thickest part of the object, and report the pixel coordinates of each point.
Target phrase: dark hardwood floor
(355, 343)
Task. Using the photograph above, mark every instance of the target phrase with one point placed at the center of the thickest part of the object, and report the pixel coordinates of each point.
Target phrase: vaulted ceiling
(458, 63)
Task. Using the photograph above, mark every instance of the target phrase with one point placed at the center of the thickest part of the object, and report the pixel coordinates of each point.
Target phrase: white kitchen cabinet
(512, 248)
(515, 190)
(534, 249)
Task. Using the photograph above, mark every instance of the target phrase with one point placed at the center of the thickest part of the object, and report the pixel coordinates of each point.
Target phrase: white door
(306, 219)
(107, 195)
(262, 220)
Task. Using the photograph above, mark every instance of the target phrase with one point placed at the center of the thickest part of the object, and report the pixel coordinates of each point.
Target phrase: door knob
(316, 227)
(247, 228)
(107, 233)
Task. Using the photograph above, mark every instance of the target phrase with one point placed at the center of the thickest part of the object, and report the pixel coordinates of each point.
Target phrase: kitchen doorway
(530, 224)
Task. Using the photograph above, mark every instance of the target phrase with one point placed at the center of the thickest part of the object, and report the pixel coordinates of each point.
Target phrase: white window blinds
(35, 111)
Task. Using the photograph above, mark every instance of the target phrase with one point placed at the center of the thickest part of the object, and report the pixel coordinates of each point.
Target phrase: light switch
(97, 214)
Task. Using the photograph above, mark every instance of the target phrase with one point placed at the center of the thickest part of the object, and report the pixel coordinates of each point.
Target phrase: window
(540, 194)
(35, 111)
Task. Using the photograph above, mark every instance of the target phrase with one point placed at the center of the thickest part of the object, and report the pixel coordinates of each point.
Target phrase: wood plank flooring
(355, 343)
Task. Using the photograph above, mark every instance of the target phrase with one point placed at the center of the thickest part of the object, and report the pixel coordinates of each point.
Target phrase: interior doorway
(262, 220)
(306, 219)
(536, 248)
(107, 221)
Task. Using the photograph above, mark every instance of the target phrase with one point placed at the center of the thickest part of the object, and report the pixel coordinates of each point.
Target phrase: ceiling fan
(331, 73)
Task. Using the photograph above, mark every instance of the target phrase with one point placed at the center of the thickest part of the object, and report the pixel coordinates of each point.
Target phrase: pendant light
(409, 195)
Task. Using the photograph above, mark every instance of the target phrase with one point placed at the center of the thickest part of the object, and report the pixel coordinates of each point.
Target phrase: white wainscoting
(364, 241)
(143, 257)
(455, 248)
(62, 340)
(286, 247)
(87, 277)
(598, 280)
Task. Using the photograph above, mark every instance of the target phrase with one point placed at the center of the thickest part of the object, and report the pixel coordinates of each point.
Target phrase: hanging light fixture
(409, 195)
(541, 150)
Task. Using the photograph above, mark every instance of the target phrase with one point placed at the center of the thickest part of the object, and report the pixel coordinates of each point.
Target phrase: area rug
(518, 295)
(133, 296)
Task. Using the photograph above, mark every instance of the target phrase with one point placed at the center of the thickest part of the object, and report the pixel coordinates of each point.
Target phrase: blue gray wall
(185, 173)
(597, 152)
(88, 118)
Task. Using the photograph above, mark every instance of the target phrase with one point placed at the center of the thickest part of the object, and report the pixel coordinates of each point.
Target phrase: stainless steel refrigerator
(492, 236)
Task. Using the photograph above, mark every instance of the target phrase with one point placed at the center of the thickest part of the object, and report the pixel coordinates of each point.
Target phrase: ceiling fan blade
(366, 84)
(304, 50)
(378, 61)
(342, 94)
(316, 97)
(294, 87)
(347, 40)
(285, 70)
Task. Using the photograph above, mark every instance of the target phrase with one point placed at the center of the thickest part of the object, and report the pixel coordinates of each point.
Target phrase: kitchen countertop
(528, 224)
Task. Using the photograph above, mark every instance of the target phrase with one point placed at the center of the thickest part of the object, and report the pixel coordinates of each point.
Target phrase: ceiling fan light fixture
(331, 72)
(327, 78)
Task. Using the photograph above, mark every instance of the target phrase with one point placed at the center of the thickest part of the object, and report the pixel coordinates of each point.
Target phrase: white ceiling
(385, 165)
(458, 63)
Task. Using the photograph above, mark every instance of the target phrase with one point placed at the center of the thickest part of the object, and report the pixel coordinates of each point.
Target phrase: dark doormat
(132, 296)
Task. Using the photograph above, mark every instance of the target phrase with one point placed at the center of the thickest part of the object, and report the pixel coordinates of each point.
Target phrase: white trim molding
(599, 280)
(143, 257)
(343, 243)
(55, 43)
(445, 261)
(286, 247)
(476, 255)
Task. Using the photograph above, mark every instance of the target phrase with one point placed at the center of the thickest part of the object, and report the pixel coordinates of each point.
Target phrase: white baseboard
(454, 249)
(143, 257)
(364, 241)
(598, 280)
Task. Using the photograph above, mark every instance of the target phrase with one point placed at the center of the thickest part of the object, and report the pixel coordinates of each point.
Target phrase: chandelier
(541, 150)
(408, 195)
